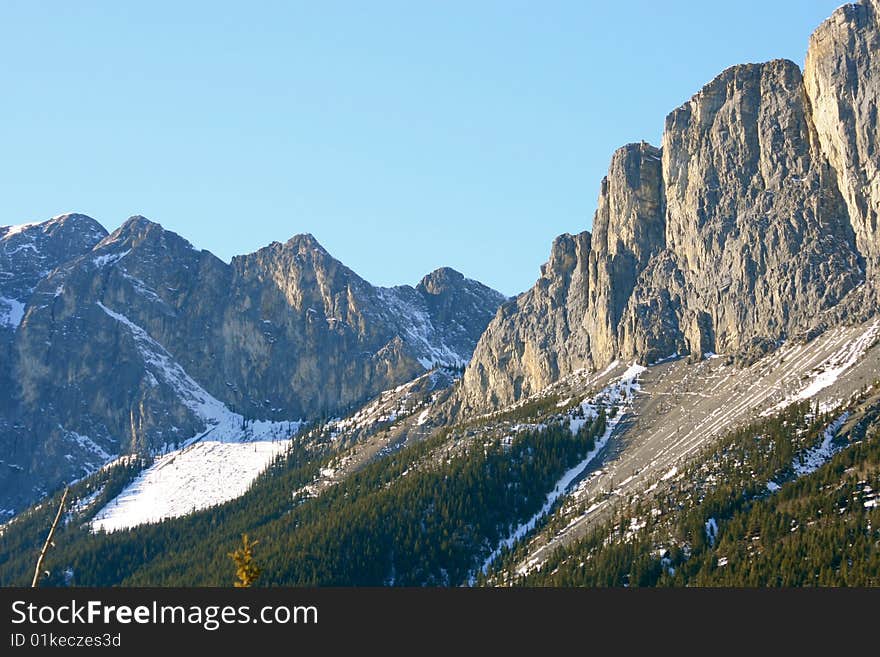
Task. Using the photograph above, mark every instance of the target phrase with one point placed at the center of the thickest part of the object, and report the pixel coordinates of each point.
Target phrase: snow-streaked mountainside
(616, 397)
(30, 252)
(222, 462)
(659, 421)
(700, 370)
(220, 423)
(139, 342)
(215, 465)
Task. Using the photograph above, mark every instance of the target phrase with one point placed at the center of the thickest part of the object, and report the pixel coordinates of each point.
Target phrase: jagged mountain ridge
(754, 222)
(143, 342)
(764, 243)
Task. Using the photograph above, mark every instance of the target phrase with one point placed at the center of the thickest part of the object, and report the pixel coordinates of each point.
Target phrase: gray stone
(754, 223)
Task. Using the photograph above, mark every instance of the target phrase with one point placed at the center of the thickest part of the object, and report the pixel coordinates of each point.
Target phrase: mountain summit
(754, 221)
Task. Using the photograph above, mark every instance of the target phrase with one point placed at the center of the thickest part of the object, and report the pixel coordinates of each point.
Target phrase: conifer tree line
(821, 529)
(430, 514)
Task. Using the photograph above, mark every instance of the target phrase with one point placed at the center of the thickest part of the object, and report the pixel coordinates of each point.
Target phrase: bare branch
(49, 540)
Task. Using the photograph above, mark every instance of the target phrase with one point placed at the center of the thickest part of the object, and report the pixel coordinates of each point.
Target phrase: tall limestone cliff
(758, 213)
(842, 79)
(569, 319)
(537, 337)
(757, 235)
(628, 233)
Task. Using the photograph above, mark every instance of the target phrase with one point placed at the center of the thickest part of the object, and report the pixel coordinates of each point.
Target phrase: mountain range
(136, 341)
(674, 401)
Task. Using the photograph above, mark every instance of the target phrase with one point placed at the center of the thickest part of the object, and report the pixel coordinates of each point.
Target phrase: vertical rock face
(299, 327)
(28, 254)
(758, 214)
(538, 336)
(842, 76)
(754, 220)
(569, 319)
(629, 229)
(137, 340)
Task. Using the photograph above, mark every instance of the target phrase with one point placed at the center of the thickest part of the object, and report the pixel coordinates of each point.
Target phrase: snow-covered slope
(196, 477)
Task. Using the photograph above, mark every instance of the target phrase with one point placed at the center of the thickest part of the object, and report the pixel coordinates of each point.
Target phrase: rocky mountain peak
(305, 242)
(301, 248)
(139, 225)
(139, 232)
(440, 280)
(749, 225)
(564, 254)
(29, 253)
(71, 223)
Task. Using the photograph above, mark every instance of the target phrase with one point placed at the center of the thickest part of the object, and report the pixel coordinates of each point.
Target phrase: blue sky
(404, 135)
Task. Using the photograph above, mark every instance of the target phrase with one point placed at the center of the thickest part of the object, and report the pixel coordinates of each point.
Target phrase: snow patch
(109, 258)
(812, 459)
(632, 373)
(666, 359)
(87, 444)
(815, 458)
(183, 481)
(711, 531)
(23, 247)
(423, 416)
(670, 474)
(142, 288)
(11, 312)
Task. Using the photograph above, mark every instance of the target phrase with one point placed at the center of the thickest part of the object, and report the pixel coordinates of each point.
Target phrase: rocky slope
(140, 342)
(753, 223)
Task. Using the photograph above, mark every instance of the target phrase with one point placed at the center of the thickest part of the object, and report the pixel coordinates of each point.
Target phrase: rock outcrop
(842, 80)
(754, 222)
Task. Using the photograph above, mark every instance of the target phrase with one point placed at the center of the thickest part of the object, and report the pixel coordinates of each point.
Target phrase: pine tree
(246, 570)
